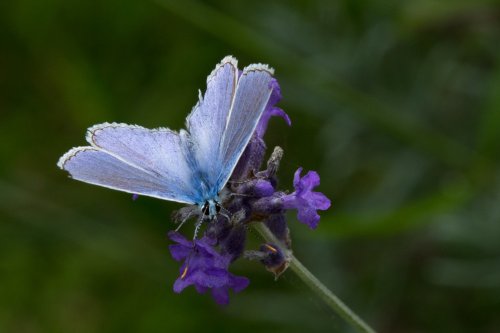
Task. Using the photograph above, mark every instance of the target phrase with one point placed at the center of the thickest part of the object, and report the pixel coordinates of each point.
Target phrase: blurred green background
(395, 103)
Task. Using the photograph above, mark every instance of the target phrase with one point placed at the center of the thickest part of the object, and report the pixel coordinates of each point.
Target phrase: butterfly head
(210, 208)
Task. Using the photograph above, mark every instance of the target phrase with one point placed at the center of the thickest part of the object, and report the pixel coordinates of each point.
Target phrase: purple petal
(271, 205)
(256, 188)
(274, 255)
(180, 285)
(204, 267)
(275, 94)
(210, 277)
(238, 283)
(277, 112)
(201, 289)
(251, 159)
(278, 226)
(310, 180)
(296, 178)
(271, 110)
(207, 245)
(320, 200)
(181, 281)
(178, 238)
(221, 295)
(304, 200)
(179, 252)
(266, 116)
(234, 243)
(308, 216)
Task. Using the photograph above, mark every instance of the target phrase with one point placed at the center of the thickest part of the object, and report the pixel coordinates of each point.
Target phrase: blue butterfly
(190, 166)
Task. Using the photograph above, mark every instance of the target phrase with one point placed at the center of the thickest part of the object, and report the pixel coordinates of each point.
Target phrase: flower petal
(305, 200)
(310, 180)
(204, 267)
(271, 110)
(221, 295)
(178, 238)
(308, 216)
(238, 283)
(179, 252)
(296, 178)
(320, 200)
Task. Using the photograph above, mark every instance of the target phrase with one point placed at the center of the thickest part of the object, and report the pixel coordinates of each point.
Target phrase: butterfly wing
(207, 122)
(189, 167)
(252, 94)
(134, 159)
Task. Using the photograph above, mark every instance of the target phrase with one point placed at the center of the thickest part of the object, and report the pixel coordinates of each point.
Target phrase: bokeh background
(395, 103)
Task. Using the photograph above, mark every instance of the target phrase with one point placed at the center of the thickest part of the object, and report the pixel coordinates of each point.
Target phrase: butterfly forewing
(207, 121)
(251, 97)
(190, 166)
(94, 166)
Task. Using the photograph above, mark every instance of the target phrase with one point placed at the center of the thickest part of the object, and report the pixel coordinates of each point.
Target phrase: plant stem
(319, 288)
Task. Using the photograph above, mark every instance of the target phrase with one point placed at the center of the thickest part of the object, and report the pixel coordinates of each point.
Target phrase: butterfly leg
(234, 194)
(185, 213)
(240, 217)
(224, 212)
(239, 182)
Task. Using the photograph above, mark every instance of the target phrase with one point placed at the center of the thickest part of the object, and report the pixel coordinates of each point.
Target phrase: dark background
(395, 103)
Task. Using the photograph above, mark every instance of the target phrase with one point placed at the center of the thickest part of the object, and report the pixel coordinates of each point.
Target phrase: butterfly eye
(217, 207)
(205, 209)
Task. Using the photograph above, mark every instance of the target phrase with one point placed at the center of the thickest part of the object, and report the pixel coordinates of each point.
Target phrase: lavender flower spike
(204, 267)
(304, 200)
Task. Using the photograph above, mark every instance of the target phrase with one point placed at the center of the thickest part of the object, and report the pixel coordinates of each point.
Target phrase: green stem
(319, 288)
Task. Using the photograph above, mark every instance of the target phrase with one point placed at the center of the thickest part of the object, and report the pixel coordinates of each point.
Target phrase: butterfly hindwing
(159, 151)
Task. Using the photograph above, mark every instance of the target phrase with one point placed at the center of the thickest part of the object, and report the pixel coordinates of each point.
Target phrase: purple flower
(256, 188)
(271, 110)
(254, 198)
(304, 200)
(278, 226)
(204, 267)
(233, 244)
(249, 196)
(274, 260)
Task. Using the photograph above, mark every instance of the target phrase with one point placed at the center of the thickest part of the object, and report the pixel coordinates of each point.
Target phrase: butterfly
(191, 166)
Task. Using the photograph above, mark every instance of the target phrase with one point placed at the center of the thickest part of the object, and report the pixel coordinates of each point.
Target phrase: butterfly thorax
(208, 198)
(210, 208)
(206, 190)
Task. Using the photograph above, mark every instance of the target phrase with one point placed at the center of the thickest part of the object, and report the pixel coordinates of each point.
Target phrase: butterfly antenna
(198, 225)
